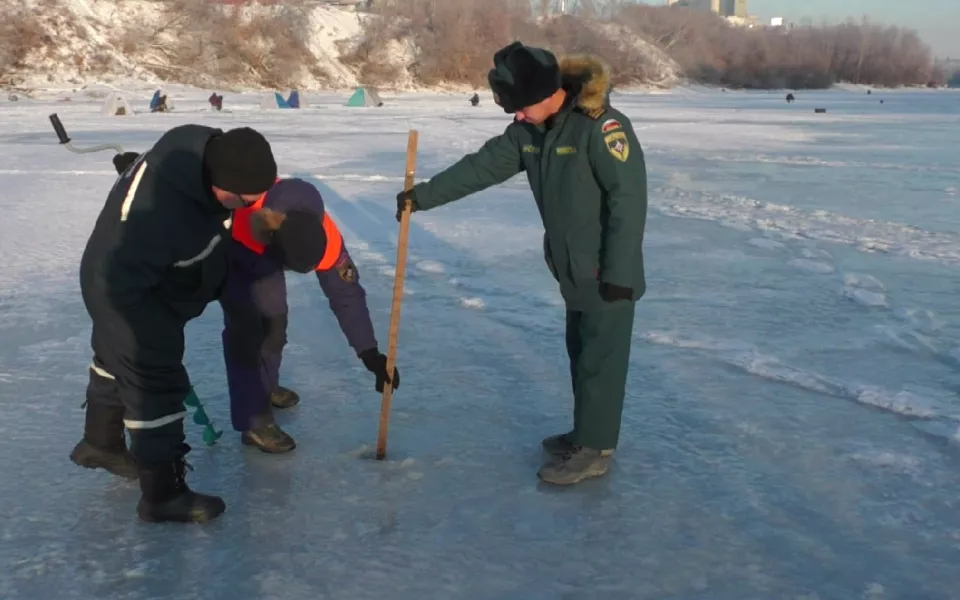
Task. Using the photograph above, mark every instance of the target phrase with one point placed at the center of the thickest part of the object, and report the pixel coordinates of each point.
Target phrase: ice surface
(791, 426)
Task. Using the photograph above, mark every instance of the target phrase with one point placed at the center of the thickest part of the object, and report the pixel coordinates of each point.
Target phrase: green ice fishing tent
(365, 96)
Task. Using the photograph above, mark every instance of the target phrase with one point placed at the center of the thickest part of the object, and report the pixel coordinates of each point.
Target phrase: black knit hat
(300, 242)
(523, 76)
(240, 161)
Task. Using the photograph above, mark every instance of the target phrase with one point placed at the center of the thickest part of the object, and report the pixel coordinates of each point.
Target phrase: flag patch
(610, 125)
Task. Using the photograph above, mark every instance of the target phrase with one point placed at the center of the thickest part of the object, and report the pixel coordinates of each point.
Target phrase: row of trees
(711, 51)
(19, 34)
(455, 38)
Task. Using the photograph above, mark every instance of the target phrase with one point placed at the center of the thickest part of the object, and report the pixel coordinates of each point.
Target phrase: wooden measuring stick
(397, 295)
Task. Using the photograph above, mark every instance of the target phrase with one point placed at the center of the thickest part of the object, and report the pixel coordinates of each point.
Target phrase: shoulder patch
(347, 271)
(618, 145)
(610, 125)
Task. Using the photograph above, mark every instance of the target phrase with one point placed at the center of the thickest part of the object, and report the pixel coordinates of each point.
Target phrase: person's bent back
(155, 259)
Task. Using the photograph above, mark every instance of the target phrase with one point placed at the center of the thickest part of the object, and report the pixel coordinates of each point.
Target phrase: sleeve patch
(618, 145)
(347, 271)
(610, 125)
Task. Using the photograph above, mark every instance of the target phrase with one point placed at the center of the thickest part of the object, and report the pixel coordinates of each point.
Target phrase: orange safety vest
(243, 233)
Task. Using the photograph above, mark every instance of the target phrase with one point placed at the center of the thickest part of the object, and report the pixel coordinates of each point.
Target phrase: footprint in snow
(815, 253)
(766, 243)
(865, 290)
(431, 266)
(474, 303)
(812, 266)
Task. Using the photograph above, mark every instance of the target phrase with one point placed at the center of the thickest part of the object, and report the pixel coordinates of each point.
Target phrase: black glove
(402, 198)
(612, 293)
(376, 363)
(122, 161)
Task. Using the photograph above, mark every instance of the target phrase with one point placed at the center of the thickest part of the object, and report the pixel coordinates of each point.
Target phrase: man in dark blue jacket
(286, 229)
(157, 256)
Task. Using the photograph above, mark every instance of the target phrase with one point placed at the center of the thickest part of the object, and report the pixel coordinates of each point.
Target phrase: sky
(937, 21)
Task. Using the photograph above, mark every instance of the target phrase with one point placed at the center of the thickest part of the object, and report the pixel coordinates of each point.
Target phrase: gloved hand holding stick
(397, 294)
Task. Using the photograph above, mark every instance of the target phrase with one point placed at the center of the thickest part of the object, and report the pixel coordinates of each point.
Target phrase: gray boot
(575, 466)
(269, 438)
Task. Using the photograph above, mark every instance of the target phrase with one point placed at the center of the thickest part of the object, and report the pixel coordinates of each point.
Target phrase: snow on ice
(791, 425)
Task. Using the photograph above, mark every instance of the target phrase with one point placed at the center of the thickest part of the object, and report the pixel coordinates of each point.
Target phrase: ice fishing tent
(116, 106)
(365, 96)
(273, 100)
(276, 100)
(293, 101)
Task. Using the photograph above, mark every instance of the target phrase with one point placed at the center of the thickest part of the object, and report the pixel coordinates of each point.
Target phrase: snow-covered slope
(83, 42)
(93, 41)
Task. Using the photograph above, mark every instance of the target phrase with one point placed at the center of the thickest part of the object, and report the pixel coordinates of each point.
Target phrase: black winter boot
(166, 497)
(104, 444)
(284, 398)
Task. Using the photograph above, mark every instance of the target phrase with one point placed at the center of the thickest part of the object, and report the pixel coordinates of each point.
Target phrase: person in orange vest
(287, 229)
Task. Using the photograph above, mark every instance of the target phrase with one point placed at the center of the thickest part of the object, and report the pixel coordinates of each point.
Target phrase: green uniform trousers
(598, 343)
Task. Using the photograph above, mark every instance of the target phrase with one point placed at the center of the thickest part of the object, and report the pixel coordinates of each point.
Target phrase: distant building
(724, 8)
(735, 8)
(711, 5)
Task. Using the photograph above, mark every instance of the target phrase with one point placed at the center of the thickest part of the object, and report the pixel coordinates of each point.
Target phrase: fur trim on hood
(593, 75)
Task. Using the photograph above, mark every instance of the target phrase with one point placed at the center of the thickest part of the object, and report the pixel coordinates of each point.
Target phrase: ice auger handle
(58, 127)
(65, 140)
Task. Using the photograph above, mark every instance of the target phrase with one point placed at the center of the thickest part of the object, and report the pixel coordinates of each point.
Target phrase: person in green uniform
(588, 176)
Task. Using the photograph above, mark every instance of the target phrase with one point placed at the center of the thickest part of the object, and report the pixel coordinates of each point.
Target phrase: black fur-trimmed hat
(523, 76)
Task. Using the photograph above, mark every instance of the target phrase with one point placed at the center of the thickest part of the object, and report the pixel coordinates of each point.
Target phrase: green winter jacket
(588, 176)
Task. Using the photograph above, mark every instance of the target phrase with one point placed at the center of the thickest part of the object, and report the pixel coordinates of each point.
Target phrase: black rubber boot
(284, 398)
(166, 496)
(269, 438)
(104, 445)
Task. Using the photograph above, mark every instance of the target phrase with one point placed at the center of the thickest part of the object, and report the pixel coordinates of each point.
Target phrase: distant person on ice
(157, 256)
(286, 229)
(588, 177)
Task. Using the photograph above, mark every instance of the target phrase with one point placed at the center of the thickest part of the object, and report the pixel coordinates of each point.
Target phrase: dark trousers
(116, 398)
(598, 344)
(252, 352)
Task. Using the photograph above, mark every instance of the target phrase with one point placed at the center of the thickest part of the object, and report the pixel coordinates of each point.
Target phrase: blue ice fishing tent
(278, 101)
(294, 100)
